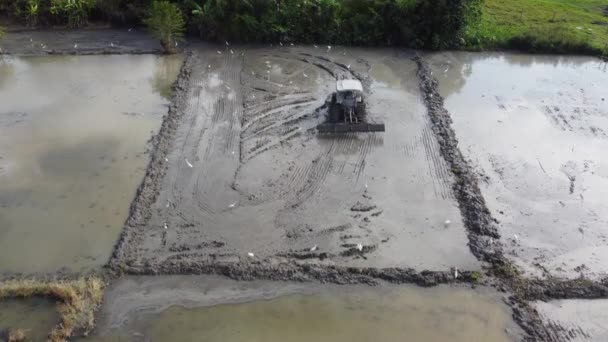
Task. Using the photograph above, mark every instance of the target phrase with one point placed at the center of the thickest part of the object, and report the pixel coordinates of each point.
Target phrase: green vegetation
(431, 24)
(74, 12)
(413, 23)
(166, 22)
(476, 276)
(32, 8)
(555, 26)
(77, 302)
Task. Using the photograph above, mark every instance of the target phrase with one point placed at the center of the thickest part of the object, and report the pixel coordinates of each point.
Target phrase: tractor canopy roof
(349, 85)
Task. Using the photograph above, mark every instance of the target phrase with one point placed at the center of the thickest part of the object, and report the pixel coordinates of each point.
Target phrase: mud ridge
(481, 227)
(82, 42)
(147, 192)
(292, 270)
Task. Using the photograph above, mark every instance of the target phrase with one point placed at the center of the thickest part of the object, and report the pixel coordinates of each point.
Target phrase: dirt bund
(79, 42)
(140, 210)
(289, 270)
(481, 227)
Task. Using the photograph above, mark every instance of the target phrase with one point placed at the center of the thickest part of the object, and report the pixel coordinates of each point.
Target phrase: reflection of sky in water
(72, 153)
(350, 314)
(537, 127)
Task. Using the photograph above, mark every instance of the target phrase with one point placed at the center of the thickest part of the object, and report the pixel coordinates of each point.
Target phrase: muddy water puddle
(536, 128)
(195, 309)
(72, 152)
(35, 316)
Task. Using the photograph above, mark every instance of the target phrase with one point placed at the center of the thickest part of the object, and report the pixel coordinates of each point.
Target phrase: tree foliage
(166, 23)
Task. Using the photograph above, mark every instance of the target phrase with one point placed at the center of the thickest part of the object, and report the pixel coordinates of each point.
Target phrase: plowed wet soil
(248, 179)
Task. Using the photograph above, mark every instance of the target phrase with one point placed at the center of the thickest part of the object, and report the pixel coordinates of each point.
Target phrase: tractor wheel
(334, 112)
(361, 112)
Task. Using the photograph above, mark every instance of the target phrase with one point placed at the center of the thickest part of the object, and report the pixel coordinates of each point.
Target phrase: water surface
(37, 316)
(72, 153)
(206, 309)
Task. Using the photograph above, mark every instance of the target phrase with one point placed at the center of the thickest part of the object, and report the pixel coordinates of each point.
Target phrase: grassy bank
(77, 302)
(553, 26)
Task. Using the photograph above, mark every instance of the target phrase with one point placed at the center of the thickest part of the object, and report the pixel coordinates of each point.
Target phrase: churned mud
(72, 152)
(536, 135)
(193, 308)
(576, 320)
(80, 42)
(247, 187)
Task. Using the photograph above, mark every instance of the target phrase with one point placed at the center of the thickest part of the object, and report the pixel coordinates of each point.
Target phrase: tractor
(347, 112)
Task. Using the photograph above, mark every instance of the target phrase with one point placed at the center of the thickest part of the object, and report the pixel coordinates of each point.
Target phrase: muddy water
(536, 128)
(37, 316)
(72, 152)
(211, 309)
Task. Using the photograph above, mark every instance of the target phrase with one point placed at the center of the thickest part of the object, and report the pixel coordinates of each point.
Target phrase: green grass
(557, 26)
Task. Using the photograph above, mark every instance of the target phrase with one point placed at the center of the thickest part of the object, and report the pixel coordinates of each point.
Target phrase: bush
(430, 24)
(414, 23)
(166, 23)
(75, 12)
(123, 12)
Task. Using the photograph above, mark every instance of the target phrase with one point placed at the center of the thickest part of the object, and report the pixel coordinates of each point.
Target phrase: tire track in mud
(280, 104)
(268, 124)
(223, 136)
(436, 164)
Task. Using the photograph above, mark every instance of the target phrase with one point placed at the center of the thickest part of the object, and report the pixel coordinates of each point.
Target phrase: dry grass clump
(77, 302)
(13, 335)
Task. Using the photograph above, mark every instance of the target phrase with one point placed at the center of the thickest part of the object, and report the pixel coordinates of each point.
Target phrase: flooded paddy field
(190, 308)
(237, 181)
(72, 153)
(249, 181)
(535, 128)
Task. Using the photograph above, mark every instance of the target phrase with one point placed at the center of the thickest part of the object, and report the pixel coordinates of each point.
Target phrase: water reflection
(332, 314)
(452, 69)
(72, 151)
